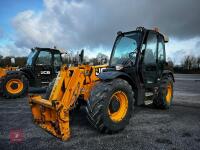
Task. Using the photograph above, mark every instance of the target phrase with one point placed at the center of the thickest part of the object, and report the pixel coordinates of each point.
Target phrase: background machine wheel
(15, 85)
(165, 94)
(110, 105)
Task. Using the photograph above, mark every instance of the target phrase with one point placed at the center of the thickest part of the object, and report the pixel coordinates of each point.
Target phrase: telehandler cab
(42, 66)
(137, 67)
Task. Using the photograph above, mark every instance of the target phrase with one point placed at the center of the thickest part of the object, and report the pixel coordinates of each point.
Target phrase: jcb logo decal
(99, 70)
(45, 72)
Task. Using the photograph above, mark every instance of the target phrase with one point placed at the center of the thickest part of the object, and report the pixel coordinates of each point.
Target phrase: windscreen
(124, 46)
(30, 57)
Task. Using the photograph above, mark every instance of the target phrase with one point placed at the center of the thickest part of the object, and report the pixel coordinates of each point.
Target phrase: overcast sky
(92, 24)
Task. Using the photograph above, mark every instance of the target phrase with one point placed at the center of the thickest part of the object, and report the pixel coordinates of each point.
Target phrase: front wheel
(110, 105)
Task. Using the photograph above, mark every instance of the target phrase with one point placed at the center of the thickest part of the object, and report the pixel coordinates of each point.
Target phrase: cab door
(43, 68)
(150, 68)
(161, 56)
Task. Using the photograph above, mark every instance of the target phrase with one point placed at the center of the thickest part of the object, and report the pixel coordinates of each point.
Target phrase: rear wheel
(15, 85)
(110, 105)
(165, 94)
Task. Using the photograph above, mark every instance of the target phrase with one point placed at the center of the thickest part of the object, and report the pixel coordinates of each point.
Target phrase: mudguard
(112, 75)
(168, 72)
(138, 89)
(19, 73)
(14, 72)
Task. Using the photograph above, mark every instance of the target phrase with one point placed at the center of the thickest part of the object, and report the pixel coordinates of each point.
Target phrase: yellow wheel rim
(14, 86)
(169, 93)
(121, 100)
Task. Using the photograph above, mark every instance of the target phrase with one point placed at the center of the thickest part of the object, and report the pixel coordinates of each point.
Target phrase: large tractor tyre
(49, 89)
(110, 105)
(15, 86)
(165, 94)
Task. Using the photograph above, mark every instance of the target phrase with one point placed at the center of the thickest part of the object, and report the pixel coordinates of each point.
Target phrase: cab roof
(50, 49)
(142, 29)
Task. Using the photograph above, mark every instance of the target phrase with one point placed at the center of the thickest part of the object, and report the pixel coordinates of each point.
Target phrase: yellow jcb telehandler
(137, 66)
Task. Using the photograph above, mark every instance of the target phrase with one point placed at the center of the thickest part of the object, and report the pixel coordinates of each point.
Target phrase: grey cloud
(77, 24)
(95, 22)
(197, 46)
(178, 55)
(13, 50)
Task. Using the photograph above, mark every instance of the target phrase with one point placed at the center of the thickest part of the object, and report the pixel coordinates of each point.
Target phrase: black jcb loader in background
(42, 66)
(137, 67)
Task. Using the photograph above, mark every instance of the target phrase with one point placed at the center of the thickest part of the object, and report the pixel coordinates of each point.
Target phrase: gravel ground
(149, 128)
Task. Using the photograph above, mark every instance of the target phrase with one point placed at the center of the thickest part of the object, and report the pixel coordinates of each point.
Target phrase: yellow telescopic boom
(53, 114)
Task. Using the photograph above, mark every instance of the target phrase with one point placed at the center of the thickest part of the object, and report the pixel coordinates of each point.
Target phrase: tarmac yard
(177, 128)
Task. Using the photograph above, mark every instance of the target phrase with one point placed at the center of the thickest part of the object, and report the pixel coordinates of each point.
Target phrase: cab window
(161, 49)
(57, 60)
(44, 58)
(151, 48)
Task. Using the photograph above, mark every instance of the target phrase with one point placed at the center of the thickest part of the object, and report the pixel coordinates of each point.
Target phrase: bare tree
(170, 62)
(185, 62)
(20, 61)
(102, 58)
(1, 61)
(189, 62)
(198, 62)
